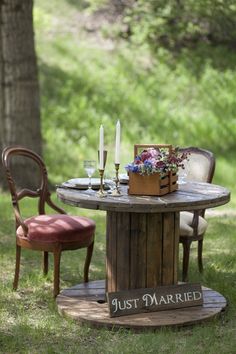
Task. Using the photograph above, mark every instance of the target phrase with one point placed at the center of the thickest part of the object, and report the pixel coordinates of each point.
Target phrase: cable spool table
(142, 246)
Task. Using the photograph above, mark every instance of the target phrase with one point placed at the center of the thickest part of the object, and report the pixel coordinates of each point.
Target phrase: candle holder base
(101, 194)
(116, 193)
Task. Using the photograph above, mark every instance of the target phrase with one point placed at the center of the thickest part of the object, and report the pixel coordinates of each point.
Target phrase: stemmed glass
(90, 167)
(182, 175)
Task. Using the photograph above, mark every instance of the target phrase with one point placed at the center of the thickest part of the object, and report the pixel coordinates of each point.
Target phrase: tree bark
(19, 87)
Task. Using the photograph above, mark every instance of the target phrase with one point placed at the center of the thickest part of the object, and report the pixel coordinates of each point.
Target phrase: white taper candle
(117, 150)
(101, 148)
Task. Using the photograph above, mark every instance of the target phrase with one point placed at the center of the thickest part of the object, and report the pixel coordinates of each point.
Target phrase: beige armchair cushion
(186, 219)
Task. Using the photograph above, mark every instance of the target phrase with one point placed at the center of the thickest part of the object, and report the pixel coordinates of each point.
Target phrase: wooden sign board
(134, 301)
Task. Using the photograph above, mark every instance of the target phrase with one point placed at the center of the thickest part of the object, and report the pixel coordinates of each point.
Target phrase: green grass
(184, 101)
(187, 100)
(30, 323)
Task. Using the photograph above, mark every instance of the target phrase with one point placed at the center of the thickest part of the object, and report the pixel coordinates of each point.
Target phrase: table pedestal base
(142, 250)
(86, 304)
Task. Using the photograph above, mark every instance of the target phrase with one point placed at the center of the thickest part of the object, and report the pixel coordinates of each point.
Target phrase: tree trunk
(19, 88)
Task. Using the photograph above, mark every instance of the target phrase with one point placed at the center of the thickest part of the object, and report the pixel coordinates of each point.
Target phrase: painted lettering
(169, 298)
(128, 304)
(197, 295)
(162, 299)
(150, 299)
(190, 296)
(135, 302)
(124, 304)
(178, 297)
(115, 303)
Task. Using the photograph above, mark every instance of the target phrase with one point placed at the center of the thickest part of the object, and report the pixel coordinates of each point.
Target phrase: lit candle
(101, 148)
(117, 151)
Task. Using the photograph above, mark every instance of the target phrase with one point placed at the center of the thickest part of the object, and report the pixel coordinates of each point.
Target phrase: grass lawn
(82, 86)
(30, 323)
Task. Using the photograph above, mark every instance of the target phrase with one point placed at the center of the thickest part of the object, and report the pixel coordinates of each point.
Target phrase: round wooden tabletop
(189, 196)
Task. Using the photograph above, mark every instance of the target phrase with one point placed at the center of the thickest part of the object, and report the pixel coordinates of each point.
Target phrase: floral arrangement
(155, 160)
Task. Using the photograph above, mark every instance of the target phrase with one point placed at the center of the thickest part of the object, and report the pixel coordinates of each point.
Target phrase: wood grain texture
(141, 250)
(128, 302)
(85, 304)
(154, 250)
(111, 239)
(190, 196)
(123, 251)
(168, 249)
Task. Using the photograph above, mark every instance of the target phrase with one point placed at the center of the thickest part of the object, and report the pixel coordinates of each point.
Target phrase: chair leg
(17, 267)
(200, 263)
(87, 262)
(186, 252)
(45, 263)
(57, 260)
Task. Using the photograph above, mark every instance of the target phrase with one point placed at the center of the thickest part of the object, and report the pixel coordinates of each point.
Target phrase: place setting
(99, 186)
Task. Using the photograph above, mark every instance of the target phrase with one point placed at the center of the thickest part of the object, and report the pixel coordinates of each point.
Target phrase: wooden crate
(154, 184)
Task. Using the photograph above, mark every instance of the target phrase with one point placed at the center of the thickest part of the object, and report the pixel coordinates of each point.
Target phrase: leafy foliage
(187, 99)
(175, 24)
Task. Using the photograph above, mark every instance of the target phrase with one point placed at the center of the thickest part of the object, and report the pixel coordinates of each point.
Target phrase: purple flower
(145, 155)
(157, 160)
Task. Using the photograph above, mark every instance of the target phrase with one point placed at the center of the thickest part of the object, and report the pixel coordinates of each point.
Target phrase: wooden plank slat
(138, 251)
(134, 236)
(111, 239)
(154, 250)
(123, 251)
(161, 298)
(168, 252)
(142, 251)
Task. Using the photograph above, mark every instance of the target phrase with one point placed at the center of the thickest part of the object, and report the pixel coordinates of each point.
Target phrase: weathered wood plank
(138, 251)
(154, 250)
(142, 251)
(190, 196)
(93, 313)
(111, 240)
(123, 249)
(161, 298)
(168, 251)
(134, 261)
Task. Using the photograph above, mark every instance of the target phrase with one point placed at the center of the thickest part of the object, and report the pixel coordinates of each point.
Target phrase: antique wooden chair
(199, 167)
(45, 232)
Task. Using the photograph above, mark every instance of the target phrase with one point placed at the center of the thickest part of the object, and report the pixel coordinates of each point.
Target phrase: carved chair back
(200, 165)
(42, 192)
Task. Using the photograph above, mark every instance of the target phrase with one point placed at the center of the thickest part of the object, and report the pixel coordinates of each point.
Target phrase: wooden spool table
(142, 246)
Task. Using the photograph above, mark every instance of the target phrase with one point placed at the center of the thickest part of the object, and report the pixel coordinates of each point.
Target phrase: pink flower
(145, 155)
(154, 152)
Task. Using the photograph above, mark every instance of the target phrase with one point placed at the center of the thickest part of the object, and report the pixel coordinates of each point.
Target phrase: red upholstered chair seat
(58, 228)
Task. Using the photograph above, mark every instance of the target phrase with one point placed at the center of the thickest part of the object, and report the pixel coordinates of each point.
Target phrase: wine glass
(90, 167)
(182, 175)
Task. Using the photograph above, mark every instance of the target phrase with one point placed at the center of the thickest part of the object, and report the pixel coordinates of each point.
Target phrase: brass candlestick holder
(101, 193)
(116, 192)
